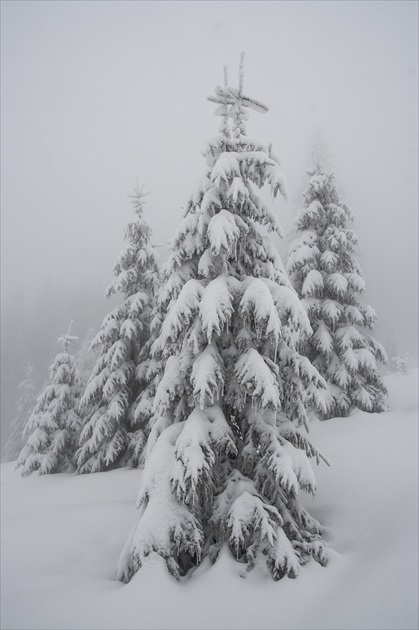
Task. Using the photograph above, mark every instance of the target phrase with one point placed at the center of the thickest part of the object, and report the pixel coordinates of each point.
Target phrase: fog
(96, 96)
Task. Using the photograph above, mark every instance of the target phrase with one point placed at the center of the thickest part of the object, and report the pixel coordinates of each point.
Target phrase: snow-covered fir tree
(324, 270)
(227, 453)
(24, 407)
(53, 427)
(112, 434)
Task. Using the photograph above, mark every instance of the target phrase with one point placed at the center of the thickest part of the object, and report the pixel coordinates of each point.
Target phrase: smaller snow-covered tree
(112, 435)
(324, 271)
(52, 429)
(24, 408)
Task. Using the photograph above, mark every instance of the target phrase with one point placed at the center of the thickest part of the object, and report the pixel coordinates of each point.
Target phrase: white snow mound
(62, 536)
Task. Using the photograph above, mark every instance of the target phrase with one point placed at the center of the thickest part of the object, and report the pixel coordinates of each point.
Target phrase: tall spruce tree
(324, 271)
(225, 456)
(112, 435)
(24, 407)
(53, 427)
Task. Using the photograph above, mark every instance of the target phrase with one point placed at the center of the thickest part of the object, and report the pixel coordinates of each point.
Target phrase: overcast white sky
(95, 95)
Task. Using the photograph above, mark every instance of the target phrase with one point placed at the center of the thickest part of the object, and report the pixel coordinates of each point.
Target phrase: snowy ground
(62, 536)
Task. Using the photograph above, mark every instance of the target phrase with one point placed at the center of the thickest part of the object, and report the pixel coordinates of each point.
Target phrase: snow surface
(62, 536)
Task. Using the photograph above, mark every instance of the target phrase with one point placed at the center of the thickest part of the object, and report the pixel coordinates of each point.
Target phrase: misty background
(97, 96)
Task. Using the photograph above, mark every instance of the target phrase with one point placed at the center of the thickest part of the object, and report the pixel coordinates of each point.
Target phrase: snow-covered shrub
(401, 362)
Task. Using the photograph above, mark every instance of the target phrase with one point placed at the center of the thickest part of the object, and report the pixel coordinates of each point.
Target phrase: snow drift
(62, 536)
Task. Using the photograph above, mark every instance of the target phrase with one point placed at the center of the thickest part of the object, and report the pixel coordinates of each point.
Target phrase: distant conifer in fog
(24, 408)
